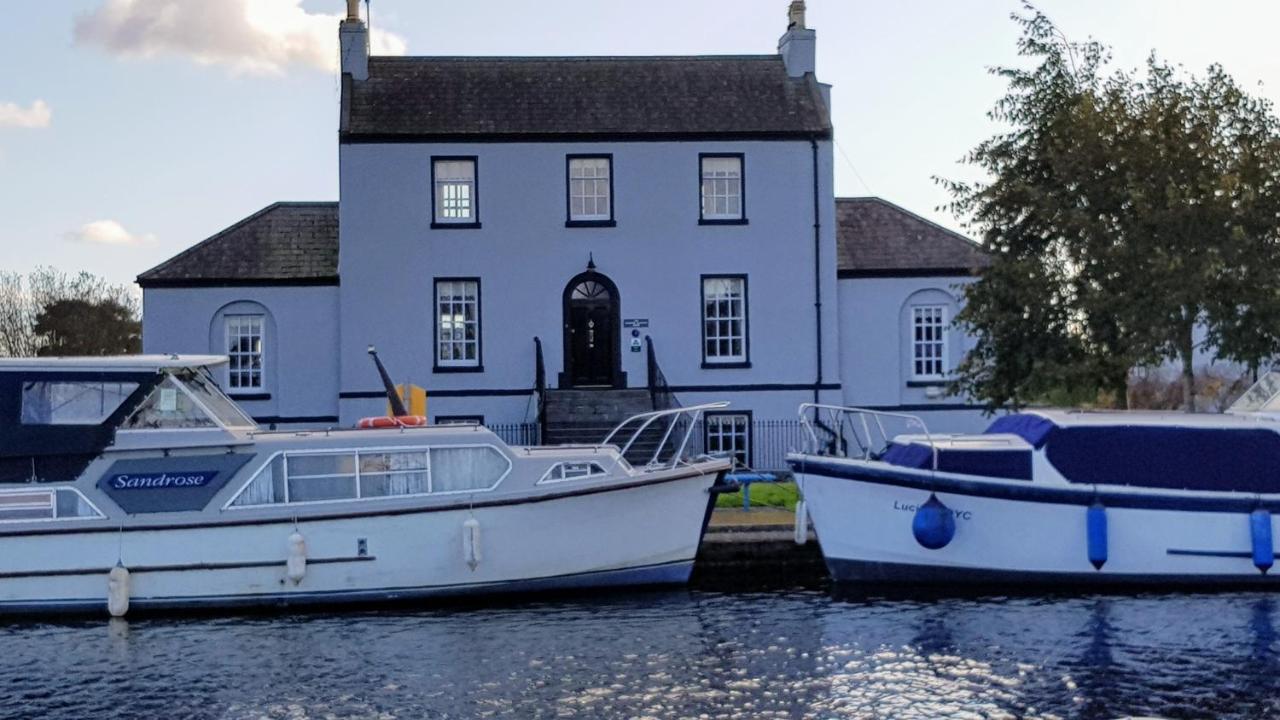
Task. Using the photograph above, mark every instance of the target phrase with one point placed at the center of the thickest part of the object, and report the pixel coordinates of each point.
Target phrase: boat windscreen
(1261, 397)
(227, 412)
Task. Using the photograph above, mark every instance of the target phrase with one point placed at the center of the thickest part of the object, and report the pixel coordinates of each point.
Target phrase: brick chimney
(798, 45)
(353, 40)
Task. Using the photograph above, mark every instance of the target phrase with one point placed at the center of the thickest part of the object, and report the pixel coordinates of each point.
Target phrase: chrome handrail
(648, 418)
(838, 415)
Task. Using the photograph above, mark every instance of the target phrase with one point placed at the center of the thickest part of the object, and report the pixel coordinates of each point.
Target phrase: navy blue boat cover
(1190, 458)
(1010, 464)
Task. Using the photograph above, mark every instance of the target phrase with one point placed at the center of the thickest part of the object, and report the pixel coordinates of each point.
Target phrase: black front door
(590, 335)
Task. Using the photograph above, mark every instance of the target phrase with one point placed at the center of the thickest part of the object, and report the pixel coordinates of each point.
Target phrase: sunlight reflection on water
(668, 655)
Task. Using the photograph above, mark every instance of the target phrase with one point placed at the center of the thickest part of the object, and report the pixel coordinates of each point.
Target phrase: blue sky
(131, 129)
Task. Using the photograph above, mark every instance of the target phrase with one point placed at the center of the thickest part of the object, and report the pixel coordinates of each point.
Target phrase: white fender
(471, 543)
(802, 523)
(118, 591)
(296, 565)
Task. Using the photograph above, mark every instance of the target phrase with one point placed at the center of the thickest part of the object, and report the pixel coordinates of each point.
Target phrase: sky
(132, 129)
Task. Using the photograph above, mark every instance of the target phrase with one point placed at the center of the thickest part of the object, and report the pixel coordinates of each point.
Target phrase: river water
(683, 654)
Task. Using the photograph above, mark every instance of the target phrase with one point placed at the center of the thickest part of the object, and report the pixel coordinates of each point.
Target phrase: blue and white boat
(1048, 497)
(135, 482)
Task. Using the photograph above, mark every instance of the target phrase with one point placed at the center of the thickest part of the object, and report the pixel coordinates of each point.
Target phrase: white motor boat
(134, 482)
(1047, 497)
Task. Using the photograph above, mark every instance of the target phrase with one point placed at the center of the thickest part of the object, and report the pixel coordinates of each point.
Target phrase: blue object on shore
(1096, 529)
(934, 525)
(745, 479)
(1264, 555)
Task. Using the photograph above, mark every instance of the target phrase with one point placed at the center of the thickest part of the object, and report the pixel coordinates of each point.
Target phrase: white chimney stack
(353, 42)
(798, 45)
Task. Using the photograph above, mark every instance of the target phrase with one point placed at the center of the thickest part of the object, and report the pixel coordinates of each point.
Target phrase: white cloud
(39, 115)
(252, 36)
(107, 232)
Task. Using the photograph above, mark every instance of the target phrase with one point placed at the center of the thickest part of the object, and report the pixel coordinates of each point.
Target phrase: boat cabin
(58, 414)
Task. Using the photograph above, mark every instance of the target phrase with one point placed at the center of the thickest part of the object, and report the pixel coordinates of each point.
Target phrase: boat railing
(863, 426)
(673, 423)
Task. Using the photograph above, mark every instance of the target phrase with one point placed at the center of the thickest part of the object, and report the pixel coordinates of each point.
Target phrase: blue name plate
(154, 481)
(182, 483)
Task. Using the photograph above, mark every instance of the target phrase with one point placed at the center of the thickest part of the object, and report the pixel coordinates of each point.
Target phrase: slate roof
(538, 97)
(875, 238)
(287, 243)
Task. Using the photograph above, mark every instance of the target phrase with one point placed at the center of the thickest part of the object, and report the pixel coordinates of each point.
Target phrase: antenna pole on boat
(393, 397)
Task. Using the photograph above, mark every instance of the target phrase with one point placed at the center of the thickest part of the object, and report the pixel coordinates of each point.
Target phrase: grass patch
(766, 494)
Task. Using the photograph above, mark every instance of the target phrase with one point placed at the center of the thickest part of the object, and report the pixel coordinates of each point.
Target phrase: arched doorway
(592, 332)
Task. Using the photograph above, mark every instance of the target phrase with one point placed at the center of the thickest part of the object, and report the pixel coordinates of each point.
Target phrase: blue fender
(1264, 555)
(1096, 531)
(934, 525)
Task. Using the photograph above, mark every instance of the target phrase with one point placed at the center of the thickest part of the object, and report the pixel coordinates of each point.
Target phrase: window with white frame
(721, 187)
(244, 349)
(458, 323)
(455, 190)
(729, 435)
(928, 342)
(590, 185)
(724, 319)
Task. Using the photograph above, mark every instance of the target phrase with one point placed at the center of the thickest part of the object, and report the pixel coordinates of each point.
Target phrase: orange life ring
(383, 422)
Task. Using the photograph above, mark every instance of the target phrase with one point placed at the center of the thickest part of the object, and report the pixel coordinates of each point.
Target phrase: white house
(558, 242)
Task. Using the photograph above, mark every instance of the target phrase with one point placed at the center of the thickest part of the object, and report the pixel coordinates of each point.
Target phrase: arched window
(926, 318)
(244, 332)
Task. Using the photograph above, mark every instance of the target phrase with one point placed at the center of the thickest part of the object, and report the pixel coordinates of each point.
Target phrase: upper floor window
(722, 196)
(454, 181)
(590, 189)
(244, 348)
(928, 342)
(724, 320)
(457, 323)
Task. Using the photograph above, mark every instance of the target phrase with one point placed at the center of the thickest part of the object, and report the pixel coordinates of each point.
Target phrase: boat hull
(644, 534)
(863, 514)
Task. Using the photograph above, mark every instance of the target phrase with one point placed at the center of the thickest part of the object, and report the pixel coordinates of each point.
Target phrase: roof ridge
(227, 230)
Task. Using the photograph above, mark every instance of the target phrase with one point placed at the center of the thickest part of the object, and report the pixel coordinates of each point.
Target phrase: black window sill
(725, 365)
(249, 396)
(590, 223)
(728, 221)
(458, 369)
(926, 383)
(455, 226)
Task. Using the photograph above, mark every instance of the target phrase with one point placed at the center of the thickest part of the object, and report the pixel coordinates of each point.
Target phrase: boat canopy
(58, 414)
(1114, 449)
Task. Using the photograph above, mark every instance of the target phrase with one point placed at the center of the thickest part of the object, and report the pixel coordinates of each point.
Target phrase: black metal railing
(540, 388)
(660, 394)
(517, 433)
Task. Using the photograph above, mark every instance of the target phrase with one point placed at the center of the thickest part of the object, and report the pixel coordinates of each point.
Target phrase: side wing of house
(901, 283)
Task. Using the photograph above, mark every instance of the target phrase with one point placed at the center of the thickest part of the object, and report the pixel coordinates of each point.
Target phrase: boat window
(572, 471)
(316, 477)
(321, 477)
(222, 407)
(27, 505)
(72, 402)
(466, 468)
(168, 407)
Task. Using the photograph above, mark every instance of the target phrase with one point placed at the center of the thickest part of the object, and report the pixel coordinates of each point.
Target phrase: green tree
(1122, 212)
(87, 327)
(48, 312)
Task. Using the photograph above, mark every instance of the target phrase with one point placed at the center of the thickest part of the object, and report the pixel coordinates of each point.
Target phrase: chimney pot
(353, 10)
(795, 15)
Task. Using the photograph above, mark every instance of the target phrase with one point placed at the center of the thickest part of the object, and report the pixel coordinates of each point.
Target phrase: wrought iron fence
(517, 433)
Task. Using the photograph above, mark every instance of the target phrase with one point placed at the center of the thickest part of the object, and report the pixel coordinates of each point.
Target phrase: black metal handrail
(660, 395)
(540, 387)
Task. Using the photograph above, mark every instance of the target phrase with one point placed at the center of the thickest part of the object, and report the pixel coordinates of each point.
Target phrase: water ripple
(801, 654)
